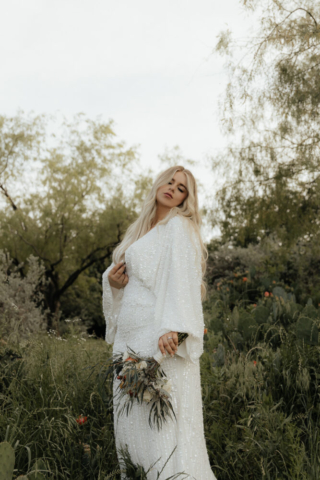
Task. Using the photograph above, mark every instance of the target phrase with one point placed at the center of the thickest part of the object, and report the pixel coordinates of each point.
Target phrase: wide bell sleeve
(111, 303)
(178, 288)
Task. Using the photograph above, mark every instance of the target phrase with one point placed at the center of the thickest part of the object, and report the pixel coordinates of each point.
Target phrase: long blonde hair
(189, 208)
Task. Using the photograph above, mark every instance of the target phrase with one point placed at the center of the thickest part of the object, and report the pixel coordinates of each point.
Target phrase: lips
(168, 195)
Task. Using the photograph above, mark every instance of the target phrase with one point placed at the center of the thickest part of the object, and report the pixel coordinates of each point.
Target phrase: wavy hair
(189, 208)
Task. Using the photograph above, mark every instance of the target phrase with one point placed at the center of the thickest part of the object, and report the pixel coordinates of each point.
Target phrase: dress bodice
(142, 258)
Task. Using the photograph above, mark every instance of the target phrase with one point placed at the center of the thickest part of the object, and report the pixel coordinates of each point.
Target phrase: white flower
(147, 396)
(142, 365)
(125, 356)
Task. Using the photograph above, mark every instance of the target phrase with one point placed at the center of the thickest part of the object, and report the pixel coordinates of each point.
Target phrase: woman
(146, 302)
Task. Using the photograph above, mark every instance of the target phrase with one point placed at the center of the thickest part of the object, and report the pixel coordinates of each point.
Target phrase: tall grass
(41, 396)
(260, 394)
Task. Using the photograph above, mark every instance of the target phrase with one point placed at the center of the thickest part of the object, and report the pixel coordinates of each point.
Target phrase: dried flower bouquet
(142, 380)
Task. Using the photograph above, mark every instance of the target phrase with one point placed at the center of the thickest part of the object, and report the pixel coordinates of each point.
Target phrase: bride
(152, 290)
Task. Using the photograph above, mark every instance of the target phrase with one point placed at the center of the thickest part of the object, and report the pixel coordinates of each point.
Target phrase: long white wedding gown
(163, 294)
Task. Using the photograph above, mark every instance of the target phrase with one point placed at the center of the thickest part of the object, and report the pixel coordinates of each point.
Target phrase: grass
(261, 408)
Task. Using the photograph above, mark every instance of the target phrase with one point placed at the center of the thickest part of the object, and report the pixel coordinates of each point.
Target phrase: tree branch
(73, 277)
(33, 247)
(6, 194)
(309, 13)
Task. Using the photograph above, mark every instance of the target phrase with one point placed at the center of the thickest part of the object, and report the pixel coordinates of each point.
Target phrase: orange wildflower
(254, 363)
(254, 304)
(129, 359)
(266, 294)
(244, 279)
(205, 331)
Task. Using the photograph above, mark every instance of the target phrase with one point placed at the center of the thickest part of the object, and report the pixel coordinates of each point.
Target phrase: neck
(161, 213)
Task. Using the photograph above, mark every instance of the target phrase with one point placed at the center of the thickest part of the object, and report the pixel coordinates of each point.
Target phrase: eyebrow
(173, 180)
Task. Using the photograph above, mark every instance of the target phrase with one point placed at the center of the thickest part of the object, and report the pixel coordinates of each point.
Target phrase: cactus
(275, 311)
(36, 475)
(261, 315)
(247, 326)
(280, 292)
(307, 330)
(292, 297)
(266, 282)
(252, 271)
(311, 312)
(219, 356)
(7, 459)
(237, 340)
(235, 317)
(22, 477)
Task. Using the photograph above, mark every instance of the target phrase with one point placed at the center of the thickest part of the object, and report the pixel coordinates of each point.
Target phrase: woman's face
(174, 192)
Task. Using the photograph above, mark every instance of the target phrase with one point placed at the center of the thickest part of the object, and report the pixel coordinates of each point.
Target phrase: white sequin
(163, 294)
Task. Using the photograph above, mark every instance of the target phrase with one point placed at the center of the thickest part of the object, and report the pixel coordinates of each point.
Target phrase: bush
(21, 298)
(261, 376)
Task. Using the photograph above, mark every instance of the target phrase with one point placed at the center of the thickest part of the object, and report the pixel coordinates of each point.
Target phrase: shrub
(21, 298)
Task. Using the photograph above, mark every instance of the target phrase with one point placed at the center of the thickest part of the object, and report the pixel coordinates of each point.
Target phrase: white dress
(163, 294)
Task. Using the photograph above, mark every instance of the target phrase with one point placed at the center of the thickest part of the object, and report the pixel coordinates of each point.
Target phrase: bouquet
(143, 380)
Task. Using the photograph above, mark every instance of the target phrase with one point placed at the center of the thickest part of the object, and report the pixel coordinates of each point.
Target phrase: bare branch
(91, 260)
(33, 247)
(6, 194)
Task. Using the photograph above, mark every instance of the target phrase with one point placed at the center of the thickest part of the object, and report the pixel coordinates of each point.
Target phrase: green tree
(67, 197)
(271, 111)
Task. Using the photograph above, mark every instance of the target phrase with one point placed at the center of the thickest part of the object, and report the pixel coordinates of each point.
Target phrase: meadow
(260, 384)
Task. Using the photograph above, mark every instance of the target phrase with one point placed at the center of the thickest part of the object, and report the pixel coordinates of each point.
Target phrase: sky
(147, 65)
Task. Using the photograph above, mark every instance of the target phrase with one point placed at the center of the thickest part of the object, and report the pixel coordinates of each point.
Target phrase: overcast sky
(146, 64)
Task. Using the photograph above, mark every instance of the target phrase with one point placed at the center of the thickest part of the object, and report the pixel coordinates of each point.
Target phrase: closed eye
(178, 188)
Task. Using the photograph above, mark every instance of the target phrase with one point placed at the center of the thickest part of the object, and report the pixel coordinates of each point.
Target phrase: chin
(166, 202)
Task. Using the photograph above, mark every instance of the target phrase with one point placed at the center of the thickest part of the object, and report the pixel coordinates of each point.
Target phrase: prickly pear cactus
(307, 330)
(247, 326)
(219, 356)
(261, 314)
(237, 340)
(252, 271)
(36, 475)
(311, 312)
(280, 292)
(6, 461)
(292, 297)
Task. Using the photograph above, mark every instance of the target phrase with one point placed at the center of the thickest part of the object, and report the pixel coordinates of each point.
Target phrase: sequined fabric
(163, 294)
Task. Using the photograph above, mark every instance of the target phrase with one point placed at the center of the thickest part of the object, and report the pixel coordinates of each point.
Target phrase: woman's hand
(117, 278)
(169, 342)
